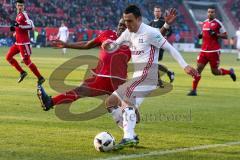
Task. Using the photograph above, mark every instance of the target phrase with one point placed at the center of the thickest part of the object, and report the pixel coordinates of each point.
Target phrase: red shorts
(25, 51)
(99, 85)
(212, 57)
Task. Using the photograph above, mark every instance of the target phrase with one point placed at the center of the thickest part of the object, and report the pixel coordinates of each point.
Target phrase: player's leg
(25, 54)
(91, 87)
(113, 105)
(238, 58)
(214, 59)
(196, 79)
(129, 96)
(9, 57)
(126, 119)
(64, 50)
(114, 108)
(164, 69)
(82, 91)
(201, 63)
(160, 57)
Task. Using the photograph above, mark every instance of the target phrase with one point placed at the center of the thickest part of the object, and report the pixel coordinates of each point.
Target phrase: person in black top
(158, 22)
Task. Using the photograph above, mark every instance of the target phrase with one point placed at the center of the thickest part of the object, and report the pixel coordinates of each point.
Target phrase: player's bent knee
(112, 101)
(215, 72)
(9, 58)
(27, 61)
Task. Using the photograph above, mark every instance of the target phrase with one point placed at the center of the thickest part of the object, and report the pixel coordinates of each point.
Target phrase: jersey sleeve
(175, 54)
(156, 39)
(123, 38)
(98, 40)
(222, 28)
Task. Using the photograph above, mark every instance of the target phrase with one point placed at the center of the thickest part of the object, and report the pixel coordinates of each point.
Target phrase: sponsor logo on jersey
(140, 41)
(158, 38)
(213, 24)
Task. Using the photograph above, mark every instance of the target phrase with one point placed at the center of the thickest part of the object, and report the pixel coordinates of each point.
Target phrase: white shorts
(63, 39)
(238, 46)
(135, 90)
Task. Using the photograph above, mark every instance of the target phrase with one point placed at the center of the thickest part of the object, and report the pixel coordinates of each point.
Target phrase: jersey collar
(140, 28)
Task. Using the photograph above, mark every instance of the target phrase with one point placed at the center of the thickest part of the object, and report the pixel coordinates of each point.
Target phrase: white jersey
(63, 33)
(238, 39)
(145, 45)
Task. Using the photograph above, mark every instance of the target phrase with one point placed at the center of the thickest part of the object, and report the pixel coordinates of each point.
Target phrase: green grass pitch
(28, 133)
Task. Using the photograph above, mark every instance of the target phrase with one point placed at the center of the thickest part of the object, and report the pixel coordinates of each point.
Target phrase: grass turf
(169, 121)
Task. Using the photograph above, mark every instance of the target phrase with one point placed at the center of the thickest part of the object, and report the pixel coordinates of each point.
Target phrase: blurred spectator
(90, 14)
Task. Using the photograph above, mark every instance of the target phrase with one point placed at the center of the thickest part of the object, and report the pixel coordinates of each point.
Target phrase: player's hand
(212, 33)
(15, 24)
(110, 46)
(170, 16)
(106, 44)
(12, 28)
(191, 71)
(200, 36)
(58, 44)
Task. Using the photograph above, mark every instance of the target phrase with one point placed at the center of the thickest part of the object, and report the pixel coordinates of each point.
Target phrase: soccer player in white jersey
(144, 43)
(63, 35)
(238, 43)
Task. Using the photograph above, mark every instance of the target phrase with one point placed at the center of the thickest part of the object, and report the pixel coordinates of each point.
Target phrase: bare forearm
(222, 36)
(77, 45)
(163, 31)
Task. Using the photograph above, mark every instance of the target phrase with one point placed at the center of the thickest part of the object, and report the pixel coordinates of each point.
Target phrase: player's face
(157, 13)
(211, 14)
(132, 22)
(121, 27)
(20, 7)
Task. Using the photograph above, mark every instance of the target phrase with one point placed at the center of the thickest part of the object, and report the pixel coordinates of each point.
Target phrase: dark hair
(212, 7)
(19, 1)
(157, 6)
(134, 10)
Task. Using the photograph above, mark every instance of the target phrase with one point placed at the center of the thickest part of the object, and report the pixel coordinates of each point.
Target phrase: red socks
(195, 82)
(67, 97)
(224, 71)
(34, 69)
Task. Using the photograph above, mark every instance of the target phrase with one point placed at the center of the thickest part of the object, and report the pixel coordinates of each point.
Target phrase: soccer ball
(104, 142)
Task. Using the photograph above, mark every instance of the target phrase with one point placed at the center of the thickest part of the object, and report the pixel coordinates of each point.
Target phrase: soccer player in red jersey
(110, 72)
(212, 31)
(21, 28)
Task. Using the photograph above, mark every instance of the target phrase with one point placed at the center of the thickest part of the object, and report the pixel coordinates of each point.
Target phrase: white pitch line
(165, 152)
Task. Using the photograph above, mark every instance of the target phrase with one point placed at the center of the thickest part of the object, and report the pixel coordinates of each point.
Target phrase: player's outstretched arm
(78, 45)
(178, 57)
(223, 35)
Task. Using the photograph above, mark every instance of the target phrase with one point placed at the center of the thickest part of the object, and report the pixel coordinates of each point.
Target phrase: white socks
(117, 116)
(64, 50)
(129, 123)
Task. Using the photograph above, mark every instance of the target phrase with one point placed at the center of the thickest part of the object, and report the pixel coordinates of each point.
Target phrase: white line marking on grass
(178, 150)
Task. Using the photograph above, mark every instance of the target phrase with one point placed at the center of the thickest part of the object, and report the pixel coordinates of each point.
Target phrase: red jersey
(211, 43)
(22, 31)
(112, 65)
